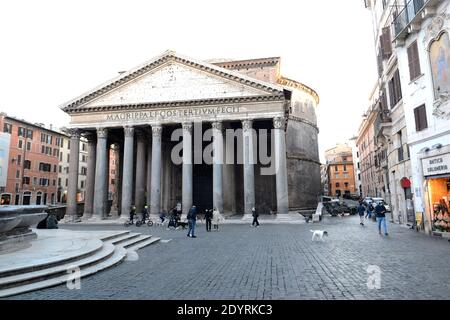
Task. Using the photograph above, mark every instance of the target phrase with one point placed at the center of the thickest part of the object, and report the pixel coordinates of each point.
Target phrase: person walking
(216, 218)
(255, 215)
(192, 217)
(361, 210)
(369, 211)
(380, 211)
(208, 218)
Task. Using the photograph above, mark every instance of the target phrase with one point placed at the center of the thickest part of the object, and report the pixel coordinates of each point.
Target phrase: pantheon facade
(163, 116)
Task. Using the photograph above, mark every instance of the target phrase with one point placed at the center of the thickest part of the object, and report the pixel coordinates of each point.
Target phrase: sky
(53, 51)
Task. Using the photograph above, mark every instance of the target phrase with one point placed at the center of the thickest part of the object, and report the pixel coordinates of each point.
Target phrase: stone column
(90, 179)
(249, 174)
(155, 204)
(108, 171)
(139, 198)
(149, 172)
(280, 166)
(73, 175)
(217, 166)
(101, 165)
(115, 196)
(187, 192)
(166, 184)
(127, 171)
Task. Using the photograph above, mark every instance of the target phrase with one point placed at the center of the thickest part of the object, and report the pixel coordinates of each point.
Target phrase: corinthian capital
(102, 133)
(279, 123)
(217, 125)
(187, 126)
(74, 133)
(90, 136)
(247, 124)
(157, 130)
(128, 131)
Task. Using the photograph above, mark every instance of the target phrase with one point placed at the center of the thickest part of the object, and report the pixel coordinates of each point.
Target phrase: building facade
(393, 160)
(423, 48)
(356, 165)
(341, 172)
(199, 133)
(30, 155)
(63, 168)
(414, 36)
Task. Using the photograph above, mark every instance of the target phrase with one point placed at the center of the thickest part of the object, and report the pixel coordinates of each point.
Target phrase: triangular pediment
(172, 78)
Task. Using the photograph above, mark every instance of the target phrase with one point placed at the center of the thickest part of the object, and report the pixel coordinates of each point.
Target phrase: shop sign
(436, 165)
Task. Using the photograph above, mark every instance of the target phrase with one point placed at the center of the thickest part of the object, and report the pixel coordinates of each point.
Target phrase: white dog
(318, 235)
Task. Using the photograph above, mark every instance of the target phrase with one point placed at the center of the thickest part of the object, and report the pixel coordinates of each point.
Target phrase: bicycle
(129, 223)
(142, 222)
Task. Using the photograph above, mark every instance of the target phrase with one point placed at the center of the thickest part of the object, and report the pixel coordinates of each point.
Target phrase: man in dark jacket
(192, 218)
(361, 210)
(208, 218)
(380, 211)
(255, 215)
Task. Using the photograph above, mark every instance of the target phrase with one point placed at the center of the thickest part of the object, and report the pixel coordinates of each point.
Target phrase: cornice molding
(251, 63)
(175, 104)
(298, 85)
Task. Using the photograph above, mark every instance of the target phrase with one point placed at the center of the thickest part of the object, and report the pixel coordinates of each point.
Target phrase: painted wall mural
(440, 65)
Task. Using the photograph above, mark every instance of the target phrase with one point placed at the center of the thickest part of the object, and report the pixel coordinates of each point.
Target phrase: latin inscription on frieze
(174, 113)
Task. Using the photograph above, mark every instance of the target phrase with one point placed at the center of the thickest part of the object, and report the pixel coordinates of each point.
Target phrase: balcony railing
(407, 14)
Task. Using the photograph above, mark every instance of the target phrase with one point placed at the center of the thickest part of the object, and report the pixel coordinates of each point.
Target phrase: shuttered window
(413, 61)
(420, 115)
(395, 89)
(386, 42)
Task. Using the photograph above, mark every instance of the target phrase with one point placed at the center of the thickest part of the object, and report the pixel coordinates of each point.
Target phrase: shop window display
(440, 194)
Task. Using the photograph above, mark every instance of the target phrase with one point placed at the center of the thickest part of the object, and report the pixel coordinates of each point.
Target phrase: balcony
(411, 13)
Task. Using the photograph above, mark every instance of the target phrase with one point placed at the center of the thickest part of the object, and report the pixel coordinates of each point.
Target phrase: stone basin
(20, 216)
(31, 219)
(9, 223)
(26, 209)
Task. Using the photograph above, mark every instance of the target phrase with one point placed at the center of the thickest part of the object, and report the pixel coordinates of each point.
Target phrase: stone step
(124, 238)
(94, 246)
(117, 257)
(114, 236)
(143, 244)
(133, 241)
(21, 279)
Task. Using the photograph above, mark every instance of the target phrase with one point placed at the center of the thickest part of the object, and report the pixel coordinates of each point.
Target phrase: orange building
(340, 169)
(29, 162)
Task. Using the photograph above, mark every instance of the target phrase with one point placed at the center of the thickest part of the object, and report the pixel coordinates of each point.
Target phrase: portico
(189, 132)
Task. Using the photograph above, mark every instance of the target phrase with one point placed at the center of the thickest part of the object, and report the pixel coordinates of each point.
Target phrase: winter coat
(216, 217)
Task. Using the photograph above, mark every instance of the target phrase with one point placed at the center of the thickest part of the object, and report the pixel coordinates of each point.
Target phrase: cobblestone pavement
(274, 262)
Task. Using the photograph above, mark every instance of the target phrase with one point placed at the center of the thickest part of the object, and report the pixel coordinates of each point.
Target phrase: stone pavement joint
(273, 262)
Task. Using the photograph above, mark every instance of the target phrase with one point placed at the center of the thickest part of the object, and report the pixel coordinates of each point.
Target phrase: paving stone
(272, 262)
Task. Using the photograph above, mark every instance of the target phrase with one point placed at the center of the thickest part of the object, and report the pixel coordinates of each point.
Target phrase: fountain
(15, 224)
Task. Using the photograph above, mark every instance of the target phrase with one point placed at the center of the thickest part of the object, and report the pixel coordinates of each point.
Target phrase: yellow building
(340, 169)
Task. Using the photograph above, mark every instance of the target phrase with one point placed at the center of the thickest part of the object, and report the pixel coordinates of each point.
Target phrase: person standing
(255, 215)
(380, 211)
(192, 218)
(208, 218)
(216, 218)
(361, 210)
